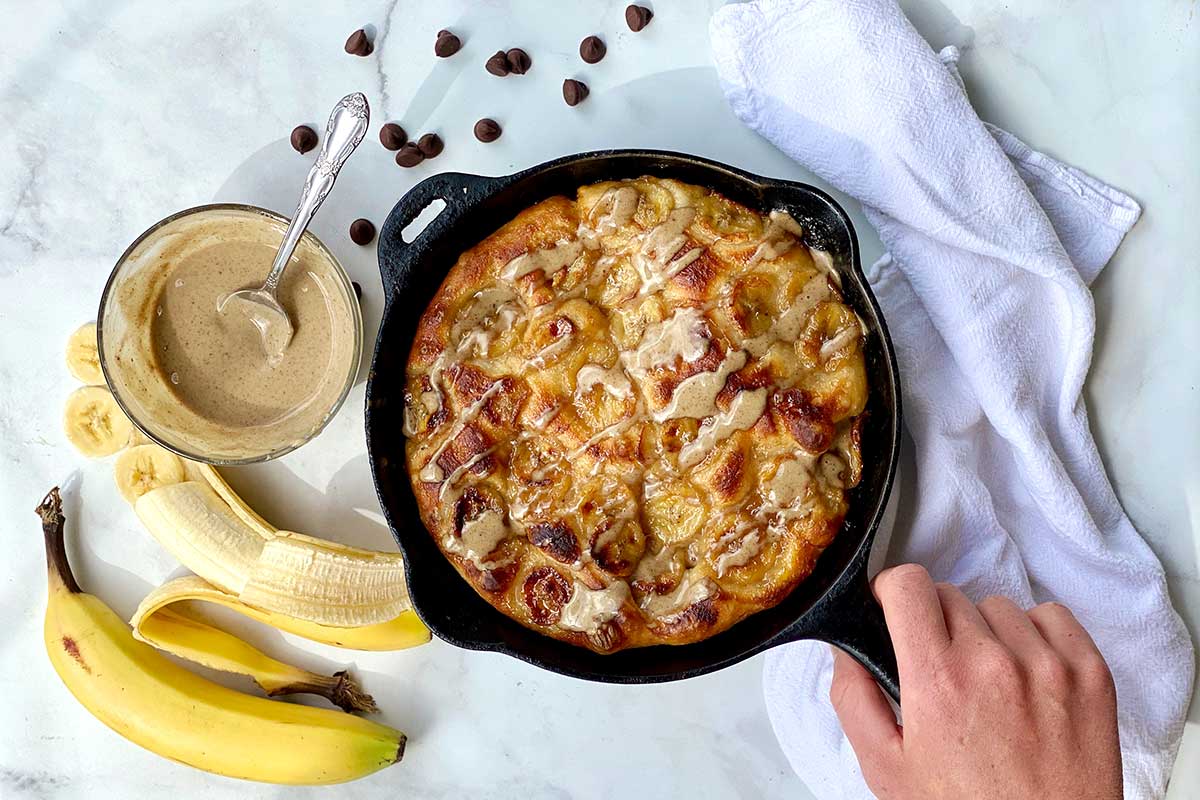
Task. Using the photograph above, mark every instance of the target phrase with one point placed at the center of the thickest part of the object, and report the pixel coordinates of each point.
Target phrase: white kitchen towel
(991, 248)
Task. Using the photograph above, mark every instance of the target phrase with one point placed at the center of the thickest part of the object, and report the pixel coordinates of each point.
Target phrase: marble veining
(117, 114)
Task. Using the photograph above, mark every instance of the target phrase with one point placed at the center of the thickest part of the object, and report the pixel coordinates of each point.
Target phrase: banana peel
(164, 620)
(398, 633)
(251, 569)
(186, 636)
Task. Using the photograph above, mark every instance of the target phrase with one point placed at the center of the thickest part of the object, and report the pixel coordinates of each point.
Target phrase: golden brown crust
(632, 417)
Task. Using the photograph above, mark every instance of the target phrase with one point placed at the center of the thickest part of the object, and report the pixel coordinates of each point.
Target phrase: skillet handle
(849, 617)
(397, 258)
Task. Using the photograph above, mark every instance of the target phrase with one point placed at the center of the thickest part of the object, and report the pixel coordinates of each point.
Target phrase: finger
(1014, 628)
(913, 614)
(1059, 628)
(866, 716)
(1076, 650)
(963, 620)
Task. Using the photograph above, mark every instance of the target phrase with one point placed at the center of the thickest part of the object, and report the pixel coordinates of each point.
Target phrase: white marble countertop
(117, 114)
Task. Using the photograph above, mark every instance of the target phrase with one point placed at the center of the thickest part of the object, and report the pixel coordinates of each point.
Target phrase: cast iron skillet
(833, 604)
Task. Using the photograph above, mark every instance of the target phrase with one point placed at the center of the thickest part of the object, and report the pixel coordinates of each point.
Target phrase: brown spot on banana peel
(73, 651)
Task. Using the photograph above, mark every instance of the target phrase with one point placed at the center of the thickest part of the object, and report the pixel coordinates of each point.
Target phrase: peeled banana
(282, 572)
(144, 467)
(165, 708)
(200, 530)
(83, 360)
(94, 423)
(217, 481)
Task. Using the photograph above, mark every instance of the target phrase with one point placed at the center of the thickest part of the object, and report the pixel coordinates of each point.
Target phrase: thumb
(866, 717)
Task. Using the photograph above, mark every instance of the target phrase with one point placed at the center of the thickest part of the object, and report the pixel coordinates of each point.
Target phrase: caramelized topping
(644, 401)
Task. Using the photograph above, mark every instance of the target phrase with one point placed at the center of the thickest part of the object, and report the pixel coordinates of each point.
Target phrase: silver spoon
(345, 130)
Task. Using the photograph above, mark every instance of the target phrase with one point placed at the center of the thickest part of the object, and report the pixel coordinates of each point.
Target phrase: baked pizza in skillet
(633, 416)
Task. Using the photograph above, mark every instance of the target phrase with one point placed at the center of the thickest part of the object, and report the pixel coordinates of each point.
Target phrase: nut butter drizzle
(480, 537)
(613, 379)
(432, 472)
(658, 255)
(743, 549)
(588, 609)
(692, 589)
(655, 261)
(547, 261)
(781, 234)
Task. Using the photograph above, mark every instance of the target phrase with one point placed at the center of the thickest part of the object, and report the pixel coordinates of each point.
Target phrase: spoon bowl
(266, 314)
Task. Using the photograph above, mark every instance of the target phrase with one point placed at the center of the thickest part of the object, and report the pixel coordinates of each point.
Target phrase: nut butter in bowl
(199, 382)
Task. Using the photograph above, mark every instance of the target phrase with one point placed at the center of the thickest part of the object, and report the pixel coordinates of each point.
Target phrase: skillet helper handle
(396, 256)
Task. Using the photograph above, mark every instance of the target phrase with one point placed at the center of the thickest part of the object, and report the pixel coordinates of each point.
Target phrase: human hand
(996, 702)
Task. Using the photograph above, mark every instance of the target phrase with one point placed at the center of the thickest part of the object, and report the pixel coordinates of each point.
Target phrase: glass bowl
(123, 340)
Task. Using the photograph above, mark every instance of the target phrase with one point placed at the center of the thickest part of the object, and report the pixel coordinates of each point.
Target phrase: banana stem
(340, 689)
(50, 511)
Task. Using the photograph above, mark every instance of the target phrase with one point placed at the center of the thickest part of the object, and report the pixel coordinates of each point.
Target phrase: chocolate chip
(358, 44)
(518, 61)
(638, 17)
(447, 44)
(362, 231)
(410, 155)
(304, 138)
(392, 136)
(487, 130)
(357, 289)
(498, 64)
(574, 92)
(430, 145)
(592, 49)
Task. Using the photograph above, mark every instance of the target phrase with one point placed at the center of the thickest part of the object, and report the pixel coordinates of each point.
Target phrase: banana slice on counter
(137, 437)
(144, 467)
(94, 423)
(83, 360)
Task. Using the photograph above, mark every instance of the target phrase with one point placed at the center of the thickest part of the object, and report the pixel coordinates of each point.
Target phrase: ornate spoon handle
(345, 130)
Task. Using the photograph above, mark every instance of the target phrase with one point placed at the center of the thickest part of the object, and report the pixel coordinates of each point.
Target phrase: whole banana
(163, 707)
